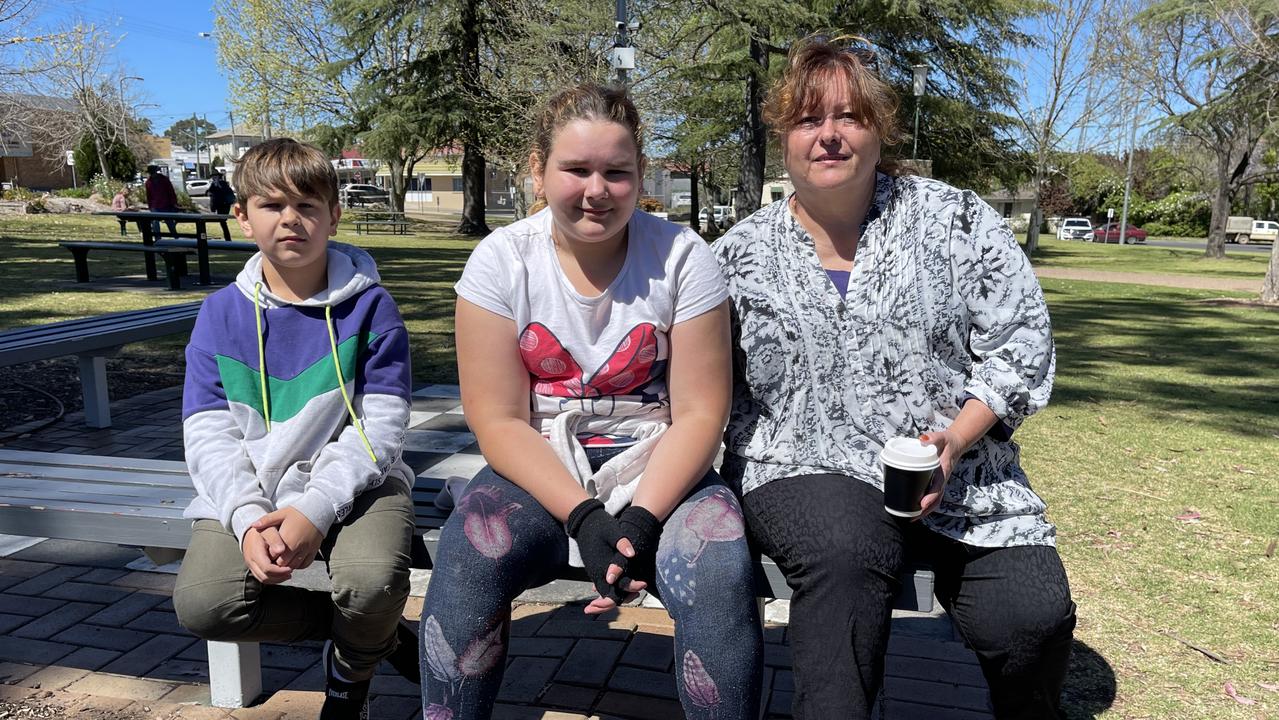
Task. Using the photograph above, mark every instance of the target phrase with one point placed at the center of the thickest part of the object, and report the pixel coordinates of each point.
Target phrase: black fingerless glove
(643, 529)
(597, 533)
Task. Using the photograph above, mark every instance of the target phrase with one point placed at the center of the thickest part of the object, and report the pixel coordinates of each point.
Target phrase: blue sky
(160, 42)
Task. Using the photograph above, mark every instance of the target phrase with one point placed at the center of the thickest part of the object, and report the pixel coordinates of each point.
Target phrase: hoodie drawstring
(337, 367)
(257, 317)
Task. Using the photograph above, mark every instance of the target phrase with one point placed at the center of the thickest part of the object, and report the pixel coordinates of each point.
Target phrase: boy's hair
(288, 166)
(585, 102)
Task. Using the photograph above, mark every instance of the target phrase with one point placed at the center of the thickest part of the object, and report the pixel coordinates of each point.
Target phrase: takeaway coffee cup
(908, 468)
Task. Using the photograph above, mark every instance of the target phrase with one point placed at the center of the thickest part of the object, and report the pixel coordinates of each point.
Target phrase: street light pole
(920, 84)
(124, 118)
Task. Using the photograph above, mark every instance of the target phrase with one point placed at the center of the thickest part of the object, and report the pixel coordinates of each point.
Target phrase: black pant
(841, 553)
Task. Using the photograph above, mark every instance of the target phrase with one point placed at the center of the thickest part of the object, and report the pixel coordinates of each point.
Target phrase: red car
(1109, 233)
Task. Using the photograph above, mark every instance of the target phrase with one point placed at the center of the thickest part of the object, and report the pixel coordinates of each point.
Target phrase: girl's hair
(848, 59)
(585, 102)
(287, 166)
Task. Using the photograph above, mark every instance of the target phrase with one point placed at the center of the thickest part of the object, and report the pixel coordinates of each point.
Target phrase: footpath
(1130, 278)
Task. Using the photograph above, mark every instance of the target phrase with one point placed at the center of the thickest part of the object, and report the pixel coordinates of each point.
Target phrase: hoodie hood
(350, 270)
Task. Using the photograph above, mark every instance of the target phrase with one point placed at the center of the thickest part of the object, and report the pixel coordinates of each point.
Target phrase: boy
(305, 458)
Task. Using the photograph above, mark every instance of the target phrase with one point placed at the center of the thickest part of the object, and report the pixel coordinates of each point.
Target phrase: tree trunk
(398, 186)
(1270, 287)
(1216, 248)
(754, 132)
(1036, 215)
(472, 222)
(519, 203)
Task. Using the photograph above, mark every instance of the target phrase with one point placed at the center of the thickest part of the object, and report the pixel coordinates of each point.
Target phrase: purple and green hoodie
(256, 443)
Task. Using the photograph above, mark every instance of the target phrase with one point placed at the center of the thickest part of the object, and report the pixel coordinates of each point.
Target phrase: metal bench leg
(235, 673)
(81, 257)
(93, 381)
(171, 270)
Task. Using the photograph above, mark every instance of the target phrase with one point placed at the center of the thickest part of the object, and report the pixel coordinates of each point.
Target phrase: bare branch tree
(1068, 68)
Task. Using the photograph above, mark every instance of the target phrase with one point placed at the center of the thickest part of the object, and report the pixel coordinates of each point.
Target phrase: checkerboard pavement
(89, 628)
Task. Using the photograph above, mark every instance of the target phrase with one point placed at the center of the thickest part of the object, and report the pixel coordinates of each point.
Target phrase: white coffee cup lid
(908, 453)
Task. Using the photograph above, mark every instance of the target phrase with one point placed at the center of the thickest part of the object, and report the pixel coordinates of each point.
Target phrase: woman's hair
(848, 59)
(584, 102)
(285, 165)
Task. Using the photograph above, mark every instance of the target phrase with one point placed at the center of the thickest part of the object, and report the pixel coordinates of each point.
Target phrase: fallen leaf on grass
(1270, 549)
(1230, 690)
(1244, 470)
(1272, 687)
(1190, 516)
(1102, 419)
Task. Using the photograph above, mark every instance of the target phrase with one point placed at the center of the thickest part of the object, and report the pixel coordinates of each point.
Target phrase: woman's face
(828, 148)
(591, 180)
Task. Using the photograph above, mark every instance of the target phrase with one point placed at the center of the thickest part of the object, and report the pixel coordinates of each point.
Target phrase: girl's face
(591, 180)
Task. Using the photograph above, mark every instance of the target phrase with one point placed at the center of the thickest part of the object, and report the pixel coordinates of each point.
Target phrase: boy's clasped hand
(278, 543)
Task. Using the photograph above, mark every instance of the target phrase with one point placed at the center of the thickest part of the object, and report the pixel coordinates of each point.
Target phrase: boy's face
(291, 230)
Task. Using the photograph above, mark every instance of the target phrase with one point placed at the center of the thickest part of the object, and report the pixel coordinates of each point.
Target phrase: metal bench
(398, 227)
(139, 503)
(175, 259)
(93, 340)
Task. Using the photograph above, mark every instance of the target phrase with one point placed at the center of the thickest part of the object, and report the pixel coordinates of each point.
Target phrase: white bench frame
(93, 340)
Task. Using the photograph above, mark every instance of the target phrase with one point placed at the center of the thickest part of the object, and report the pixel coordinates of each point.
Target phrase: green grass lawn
(1054, 253)
(1166, 406)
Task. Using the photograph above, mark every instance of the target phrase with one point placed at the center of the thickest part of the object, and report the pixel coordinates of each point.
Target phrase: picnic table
(145, 220)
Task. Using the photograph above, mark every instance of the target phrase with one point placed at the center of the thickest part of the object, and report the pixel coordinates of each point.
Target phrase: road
(1201, 244)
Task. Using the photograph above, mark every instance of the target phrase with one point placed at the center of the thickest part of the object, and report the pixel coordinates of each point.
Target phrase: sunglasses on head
(853, 45)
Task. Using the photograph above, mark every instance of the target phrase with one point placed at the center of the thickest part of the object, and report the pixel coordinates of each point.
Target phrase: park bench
(139, 503)
(175, 258)
(93, 340)
(397, 227)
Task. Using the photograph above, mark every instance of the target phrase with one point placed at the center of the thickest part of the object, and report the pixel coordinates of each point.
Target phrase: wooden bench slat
(32, 458)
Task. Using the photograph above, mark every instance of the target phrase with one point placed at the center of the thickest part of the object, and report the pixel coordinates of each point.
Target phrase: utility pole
(234, 157)
(1132, 150)
(622, 56)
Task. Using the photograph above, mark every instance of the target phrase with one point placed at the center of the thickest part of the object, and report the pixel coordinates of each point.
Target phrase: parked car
(198, 187)
(354, 194)
(722, 215)
(1075, 228)
(1109, 233)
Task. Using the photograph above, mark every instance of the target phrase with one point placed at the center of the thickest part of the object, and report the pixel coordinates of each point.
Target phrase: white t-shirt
(590, 353)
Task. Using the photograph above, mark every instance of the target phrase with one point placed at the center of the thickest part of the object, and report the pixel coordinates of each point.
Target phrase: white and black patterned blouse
(941, 306)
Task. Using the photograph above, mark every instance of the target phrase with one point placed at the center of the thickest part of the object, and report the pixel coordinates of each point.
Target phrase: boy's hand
(301, 539)
(259, 560)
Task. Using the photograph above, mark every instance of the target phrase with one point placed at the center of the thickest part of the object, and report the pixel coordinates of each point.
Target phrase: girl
(592, 346)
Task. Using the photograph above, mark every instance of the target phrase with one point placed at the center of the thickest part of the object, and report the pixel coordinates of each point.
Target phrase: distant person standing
(160, 198)
(221, 196)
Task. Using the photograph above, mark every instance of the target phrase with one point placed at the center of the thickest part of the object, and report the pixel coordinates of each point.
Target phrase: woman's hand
(948, 447)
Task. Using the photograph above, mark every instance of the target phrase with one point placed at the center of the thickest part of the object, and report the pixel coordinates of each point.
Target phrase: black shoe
(405, 658)
(343, 700)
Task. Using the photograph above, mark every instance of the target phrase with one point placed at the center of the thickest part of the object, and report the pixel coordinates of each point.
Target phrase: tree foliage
(190, 132)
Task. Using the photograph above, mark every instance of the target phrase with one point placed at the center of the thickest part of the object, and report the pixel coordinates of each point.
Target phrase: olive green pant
(217, 598)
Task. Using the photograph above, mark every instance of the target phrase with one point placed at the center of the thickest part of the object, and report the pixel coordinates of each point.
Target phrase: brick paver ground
(83, 630)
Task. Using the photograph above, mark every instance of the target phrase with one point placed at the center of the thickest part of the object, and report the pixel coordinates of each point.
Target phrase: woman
(868, 306)
(593, 355)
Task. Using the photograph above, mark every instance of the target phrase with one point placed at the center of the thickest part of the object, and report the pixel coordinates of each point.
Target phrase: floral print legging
(499, 541)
